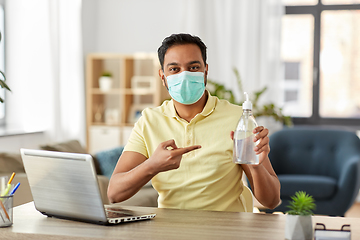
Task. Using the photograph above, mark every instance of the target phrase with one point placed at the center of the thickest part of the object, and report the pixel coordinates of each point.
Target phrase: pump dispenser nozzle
(247, 104)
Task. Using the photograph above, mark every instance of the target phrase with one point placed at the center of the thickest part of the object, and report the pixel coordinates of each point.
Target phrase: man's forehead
(183, 54)
(187, 63)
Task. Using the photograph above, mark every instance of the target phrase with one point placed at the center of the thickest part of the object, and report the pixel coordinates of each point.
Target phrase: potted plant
(269, 110)
(2, 81)
(298, 219)
(105, 81)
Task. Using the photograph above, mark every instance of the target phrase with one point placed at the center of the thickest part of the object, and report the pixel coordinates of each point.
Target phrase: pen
(11, 178)
(2, 183)
(2, 206)
(7, 189)
(14, 189)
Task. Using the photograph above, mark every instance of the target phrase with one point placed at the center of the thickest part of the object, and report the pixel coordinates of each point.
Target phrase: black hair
(180, 39)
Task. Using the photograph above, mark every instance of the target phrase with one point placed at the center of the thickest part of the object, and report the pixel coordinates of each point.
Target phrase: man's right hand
(134, 170)
(167, 156)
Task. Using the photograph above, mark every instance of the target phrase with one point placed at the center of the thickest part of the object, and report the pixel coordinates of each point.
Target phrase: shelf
(111, 91)
(126, 91)
(102, 124)
(138, 91)
(110, 114)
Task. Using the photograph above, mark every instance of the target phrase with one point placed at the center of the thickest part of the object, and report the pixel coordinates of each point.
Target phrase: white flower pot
(105, 83)
(298, 227)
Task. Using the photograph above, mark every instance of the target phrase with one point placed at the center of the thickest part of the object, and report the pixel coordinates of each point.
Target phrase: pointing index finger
(181, 151)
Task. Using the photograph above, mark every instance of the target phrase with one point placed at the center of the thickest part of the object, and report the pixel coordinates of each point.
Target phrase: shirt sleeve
(136, 142)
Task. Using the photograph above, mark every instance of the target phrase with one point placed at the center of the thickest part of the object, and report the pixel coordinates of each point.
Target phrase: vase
(105, 83)
(298, 227)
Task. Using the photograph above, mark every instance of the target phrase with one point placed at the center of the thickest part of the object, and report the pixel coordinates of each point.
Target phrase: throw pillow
(72, 146)
(11, 162)
(107, 160)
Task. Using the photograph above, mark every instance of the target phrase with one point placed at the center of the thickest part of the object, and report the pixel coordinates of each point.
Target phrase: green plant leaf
(269, 109)
(238, 79)
(106, 74)
(301, 204)
(3, 85)
(2, 82)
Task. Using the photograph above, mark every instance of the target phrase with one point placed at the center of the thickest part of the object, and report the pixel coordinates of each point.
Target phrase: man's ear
(162, 76)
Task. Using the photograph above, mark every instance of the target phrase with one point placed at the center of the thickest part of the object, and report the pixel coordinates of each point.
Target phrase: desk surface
(168, 224)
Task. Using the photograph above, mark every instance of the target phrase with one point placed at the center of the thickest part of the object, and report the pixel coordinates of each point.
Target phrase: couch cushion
(11, 162)
(107, 160)
(320, 187)
(72, 146)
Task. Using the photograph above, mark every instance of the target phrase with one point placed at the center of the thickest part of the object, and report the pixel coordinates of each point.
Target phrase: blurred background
(306, 52)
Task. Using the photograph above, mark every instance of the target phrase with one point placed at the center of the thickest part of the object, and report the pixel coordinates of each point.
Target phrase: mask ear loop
(205, 77)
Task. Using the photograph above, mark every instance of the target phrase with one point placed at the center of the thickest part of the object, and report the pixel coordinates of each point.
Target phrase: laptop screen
(64, 184)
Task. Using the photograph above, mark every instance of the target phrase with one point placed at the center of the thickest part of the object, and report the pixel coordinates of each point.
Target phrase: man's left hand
(262, 148)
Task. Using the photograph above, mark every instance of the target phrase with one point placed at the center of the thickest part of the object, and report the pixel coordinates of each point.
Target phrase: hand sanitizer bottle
(243, 136)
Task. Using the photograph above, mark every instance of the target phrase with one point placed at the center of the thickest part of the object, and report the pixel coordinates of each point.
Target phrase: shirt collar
(210, 105)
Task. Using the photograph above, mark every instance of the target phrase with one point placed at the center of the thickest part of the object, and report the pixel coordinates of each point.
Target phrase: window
(292, 82)
(320, 51)
(2, 63)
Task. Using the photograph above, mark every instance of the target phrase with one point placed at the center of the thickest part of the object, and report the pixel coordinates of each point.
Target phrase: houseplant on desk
(298, 219)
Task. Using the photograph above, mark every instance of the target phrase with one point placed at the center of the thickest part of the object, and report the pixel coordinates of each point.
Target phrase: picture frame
(143, 82)
(135, 112)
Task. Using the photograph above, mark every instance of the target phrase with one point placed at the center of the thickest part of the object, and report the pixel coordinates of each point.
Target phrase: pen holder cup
(6, 211)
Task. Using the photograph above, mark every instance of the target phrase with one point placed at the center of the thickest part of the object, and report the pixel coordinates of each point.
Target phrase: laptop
(64, 185)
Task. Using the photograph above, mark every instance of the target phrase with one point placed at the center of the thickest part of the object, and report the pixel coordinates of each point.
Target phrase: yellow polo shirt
(207, 178)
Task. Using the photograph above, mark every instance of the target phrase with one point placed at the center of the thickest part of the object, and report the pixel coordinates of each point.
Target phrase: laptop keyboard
(111, 214)
(118, 212)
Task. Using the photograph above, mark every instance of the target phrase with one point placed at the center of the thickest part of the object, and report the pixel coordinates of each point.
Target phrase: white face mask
(186, 87)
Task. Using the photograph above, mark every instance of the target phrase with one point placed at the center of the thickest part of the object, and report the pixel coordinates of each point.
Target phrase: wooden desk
(168, 224)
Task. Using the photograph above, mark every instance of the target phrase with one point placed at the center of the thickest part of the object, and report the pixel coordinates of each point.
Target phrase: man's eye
(194, 68)
(173, 69)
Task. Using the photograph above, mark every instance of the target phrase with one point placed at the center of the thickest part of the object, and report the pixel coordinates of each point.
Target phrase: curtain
(68, 117)
(243, 34)
(45, 68)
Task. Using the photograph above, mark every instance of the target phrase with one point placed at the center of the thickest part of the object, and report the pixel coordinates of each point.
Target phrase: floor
(354, 211)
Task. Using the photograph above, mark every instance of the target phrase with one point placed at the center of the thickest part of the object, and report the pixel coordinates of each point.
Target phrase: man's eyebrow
(172, 63)
(192, 62)
(189, 63)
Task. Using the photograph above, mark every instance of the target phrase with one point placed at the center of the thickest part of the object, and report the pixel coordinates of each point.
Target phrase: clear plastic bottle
(243, 136)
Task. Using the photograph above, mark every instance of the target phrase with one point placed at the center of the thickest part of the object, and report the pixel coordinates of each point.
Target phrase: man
(185, 145)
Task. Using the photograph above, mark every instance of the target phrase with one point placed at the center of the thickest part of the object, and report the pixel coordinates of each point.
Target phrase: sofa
(324, 163)
(104, 161)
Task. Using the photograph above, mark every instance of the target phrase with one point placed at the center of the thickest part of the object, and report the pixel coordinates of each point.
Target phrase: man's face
(181, 58)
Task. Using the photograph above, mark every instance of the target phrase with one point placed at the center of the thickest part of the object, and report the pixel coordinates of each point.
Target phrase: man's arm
(134, 170)
(264, 182)
(262, 177)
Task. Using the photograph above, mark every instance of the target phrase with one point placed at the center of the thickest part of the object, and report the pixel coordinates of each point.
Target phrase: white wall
(13, 143)
(125, 26)
(89, 25)
(121, 26)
